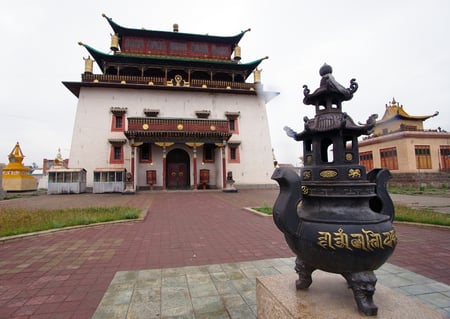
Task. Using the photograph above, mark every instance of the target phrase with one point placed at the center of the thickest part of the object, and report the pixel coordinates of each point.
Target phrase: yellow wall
(395, 126)
(405, 143)
(19, 183)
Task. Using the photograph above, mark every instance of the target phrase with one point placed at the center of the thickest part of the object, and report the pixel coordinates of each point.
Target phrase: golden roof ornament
(58, 161)
(114, 42)
(15, 161)
(88, 65)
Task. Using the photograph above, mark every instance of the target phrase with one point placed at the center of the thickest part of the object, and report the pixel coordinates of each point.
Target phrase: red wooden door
(177, 177)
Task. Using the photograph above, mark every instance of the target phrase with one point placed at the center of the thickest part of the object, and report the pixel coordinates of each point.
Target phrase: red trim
(114, 123)
(164, 171)
(164, 47)
(212, 154)
(237, 158)
(113, 160)
(150, 159)
(224, 171)
(236, 126)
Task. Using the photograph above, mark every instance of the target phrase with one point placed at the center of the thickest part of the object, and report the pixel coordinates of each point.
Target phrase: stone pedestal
(129, 189)
(329, 297)
(230, 187)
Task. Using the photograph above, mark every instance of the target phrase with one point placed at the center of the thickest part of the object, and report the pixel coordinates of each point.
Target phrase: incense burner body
(335, 216)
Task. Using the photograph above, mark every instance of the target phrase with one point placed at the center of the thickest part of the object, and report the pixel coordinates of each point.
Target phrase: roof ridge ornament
(329, 93)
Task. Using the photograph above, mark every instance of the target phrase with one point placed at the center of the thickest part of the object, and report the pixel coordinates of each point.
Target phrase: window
(118, 119)
(326, 150)
(145, 154)
(233, 121)
(233, 153)
(423, 156)
(233, 126)
(118, 123)
(208, 153)
(445, 157)
(116, 156)
(366, 159)
(389, 158)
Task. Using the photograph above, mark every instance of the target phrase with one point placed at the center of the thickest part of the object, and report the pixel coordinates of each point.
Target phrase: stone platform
(329, 297)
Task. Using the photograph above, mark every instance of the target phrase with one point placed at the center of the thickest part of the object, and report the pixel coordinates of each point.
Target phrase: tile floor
(228, 290)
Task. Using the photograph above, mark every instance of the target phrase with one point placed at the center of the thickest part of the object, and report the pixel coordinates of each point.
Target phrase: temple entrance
(178, 169)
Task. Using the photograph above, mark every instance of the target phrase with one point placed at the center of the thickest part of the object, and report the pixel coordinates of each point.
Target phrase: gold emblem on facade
(212, 128)
(328, 173)
(349, 156)
(180, 127)
(307, 175)
(305, 190)
(145, 126)
(354, 173)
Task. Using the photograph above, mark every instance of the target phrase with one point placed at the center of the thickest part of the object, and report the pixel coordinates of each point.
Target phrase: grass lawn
(402, 213)
(14, 221)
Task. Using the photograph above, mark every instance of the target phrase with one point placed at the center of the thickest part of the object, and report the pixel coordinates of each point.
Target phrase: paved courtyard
(191, 247)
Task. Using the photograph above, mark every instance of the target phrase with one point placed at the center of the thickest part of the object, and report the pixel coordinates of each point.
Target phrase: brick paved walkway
(65, 274)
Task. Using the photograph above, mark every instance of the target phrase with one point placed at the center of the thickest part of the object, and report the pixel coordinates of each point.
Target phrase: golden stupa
(16, 176)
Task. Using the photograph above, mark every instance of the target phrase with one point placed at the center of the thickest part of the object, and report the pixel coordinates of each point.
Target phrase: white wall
(90, 147)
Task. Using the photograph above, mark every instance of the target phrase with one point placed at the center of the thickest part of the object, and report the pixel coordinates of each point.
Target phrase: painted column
(133, 150)
(195, 165)
(224, 165)
(194, 161)
(164, 146)
(164, 166)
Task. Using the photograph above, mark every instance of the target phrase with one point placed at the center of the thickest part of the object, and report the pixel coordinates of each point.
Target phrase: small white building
(168, 106)
(66, 180)
(109, 180)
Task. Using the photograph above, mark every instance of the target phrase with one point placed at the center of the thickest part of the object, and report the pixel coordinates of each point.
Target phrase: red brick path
(65, 274)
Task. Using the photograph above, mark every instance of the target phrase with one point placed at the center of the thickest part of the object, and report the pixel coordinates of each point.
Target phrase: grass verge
(402, 213)
(423, 216)
(443, 190)
(21, 221)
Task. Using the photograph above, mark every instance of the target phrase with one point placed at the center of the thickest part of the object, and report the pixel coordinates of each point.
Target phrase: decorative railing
(165, 124)
(160, 81)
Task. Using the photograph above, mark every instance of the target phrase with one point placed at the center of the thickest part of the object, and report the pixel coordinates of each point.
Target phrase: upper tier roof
(231, 41)
(395, 111)
(103, 59)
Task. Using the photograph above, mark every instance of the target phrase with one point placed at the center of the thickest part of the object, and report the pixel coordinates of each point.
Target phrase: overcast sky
(395, 49)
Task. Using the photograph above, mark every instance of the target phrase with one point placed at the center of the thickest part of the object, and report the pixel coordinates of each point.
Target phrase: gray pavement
(436, 203)
(229, 290)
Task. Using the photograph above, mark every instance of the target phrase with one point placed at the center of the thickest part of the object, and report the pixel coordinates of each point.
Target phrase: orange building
(401, 144)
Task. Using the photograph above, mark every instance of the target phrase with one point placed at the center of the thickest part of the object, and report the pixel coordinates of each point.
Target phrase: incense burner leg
(363, 286)
(304, 272)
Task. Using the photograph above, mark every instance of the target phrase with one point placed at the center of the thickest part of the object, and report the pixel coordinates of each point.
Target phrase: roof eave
(101, 57)
(75, 88)
(119, 30)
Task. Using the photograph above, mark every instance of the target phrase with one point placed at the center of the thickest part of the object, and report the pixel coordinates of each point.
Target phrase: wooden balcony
(160, 81)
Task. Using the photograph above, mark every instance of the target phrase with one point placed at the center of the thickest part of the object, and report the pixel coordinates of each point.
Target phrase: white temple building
(174, 110)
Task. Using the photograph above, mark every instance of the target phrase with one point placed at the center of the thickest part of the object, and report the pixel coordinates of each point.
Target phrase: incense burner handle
(382, 202)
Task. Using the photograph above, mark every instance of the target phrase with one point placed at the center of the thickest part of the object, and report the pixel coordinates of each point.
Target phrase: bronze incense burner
(335, 216)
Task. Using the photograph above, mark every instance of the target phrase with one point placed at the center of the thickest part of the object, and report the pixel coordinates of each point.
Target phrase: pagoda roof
(15, 160)
(395, 111)
(327, 122)
(103, 59)
(232, 41)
